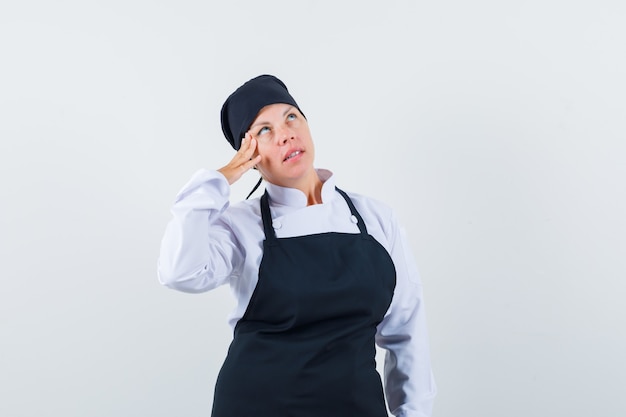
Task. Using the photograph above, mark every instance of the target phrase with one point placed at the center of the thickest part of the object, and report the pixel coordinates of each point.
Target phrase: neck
(314, 195)
(311, 186)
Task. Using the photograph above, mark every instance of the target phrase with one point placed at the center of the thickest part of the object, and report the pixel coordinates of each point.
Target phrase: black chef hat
(241, 107)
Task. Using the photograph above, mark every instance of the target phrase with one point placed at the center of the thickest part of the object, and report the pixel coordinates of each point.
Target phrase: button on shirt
(209, 242)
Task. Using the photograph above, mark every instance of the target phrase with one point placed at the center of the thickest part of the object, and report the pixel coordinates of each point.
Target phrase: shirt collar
(293, 197)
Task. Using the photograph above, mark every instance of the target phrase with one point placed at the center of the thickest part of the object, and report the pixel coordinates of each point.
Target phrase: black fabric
(305, 345)
(258, 183)
(241, 107)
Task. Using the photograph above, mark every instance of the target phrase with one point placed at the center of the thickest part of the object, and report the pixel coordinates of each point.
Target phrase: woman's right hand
(242, 161)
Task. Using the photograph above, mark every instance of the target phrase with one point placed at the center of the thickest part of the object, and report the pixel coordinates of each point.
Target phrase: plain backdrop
(495, 129)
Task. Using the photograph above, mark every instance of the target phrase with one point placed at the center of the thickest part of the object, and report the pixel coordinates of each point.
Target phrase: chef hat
(241, 107)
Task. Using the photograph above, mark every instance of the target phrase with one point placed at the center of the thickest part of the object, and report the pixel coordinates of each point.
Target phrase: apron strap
(266, 215)
(354, 211)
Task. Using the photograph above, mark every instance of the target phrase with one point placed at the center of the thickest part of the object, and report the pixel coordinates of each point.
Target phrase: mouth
(292, 155)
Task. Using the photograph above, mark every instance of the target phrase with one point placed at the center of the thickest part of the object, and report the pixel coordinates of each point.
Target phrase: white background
(495, 129)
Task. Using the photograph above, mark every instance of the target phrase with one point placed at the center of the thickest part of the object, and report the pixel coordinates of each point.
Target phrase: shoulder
(244, 213)
(368, 205)
(246, 207)
(379, 217)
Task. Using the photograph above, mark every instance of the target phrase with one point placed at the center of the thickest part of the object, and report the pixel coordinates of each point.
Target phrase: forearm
(409, 383)
(198, 250)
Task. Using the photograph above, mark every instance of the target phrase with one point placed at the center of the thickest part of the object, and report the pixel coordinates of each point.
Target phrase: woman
(320, 276)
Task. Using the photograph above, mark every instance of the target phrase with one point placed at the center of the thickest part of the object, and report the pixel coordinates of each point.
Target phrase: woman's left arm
(409, 382)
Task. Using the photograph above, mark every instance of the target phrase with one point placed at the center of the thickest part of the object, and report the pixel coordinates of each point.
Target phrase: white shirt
(209, 242)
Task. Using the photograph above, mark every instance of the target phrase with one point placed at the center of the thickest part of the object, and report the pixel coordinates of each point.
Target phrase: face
(285, 145)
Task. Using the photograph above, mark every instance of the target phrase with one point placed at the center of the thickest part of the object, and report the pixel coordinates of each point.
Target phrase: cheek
(265, 154)
(264, 168)
(263, 165)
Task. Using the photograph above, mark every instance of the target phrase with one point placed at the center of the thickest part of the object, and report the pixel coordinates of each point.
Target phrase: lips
(292, 154)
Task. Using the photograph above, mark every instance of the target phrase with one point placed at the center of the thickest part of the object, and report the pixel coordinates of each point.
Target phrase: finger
(252, 162)
(248, 165)
(249, 151)
(244, 144)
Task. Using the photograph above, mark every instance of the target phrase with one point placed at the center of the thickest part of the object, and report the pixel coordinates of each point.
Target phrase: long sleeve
(409, 383)
(209, 242)
(199, 251)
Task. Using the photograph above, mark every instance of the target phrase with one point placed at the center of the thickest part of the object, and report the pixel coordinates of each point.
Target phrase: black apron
(305, 345)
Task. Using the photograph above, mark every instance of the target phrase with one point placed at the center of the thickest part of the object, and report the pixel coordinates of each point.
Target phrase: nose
(284, 134)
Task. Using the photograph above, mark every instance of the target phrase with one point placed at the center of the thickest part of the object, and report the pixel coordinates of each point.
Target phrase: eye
(263, 130)
(291, 116)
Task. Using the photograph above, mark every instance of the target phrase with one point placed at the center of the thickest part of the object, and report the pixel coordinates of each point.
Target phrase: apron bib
(305, 345)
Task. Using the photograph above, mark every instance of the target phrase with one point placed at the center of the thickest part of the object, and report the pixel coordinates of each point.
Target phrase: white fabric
(209, 242)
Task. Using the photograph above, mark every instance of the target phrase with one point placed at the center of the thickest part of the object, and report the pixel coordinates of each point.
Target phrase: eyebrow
(288, 110)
